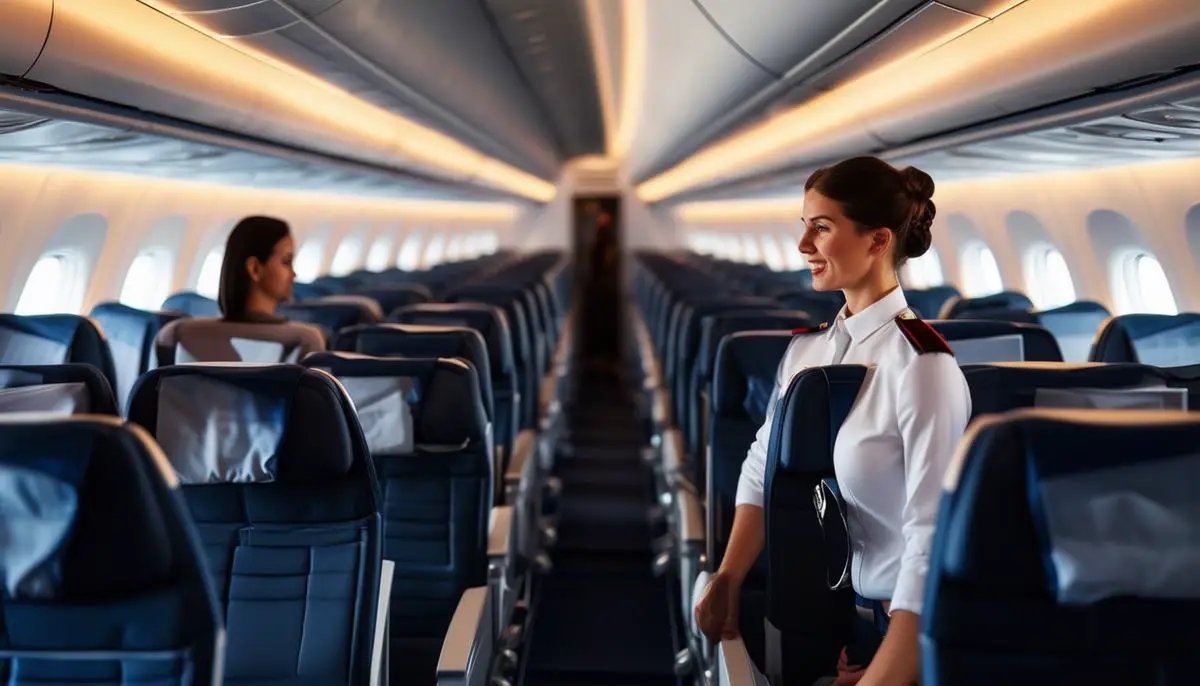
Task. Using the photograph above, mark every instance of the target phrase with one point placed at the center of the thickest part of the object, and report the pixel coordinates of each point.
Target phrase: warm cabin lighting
(737, 210)
(1002, 51)
(301, 105)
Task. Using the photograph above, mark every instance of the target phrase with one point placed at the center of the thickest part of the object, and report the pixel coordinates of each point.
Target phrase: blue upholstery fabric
(743, 380)
(992, 614)
(130, 333)
(295, 558)
(55, 339)
(393, 296)
(1075, 327)
(821, 306)
(419, 340)
(965, 308)
(524, 360)
(491, 323)
(192, 304)
(1039, 344)
(98, 395)
(1157, 339)
(813, 620)
(331, 316)
(435, 500)
(928, 302)
(997, 388)
(104, 578)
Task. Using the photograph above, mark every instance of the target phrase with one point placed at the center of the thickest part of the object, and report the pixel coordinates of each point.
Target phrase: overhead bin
(131, 54)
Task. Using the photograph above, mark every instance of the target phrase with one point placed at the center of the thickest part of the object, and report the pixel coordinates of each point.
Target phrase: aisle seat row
(792, 625)
(355, 519)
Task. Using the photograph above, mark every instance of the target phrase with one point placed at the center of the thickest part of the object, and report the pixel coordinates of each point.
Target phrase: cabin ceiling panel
(549, 42)
(439, 62)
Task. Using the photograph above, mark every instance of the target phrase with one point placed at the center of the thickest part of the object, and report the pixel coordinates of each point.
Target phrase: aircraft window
(54, 286)
(980, 271)
(209, 281)
(410, 253)
(307, 262)
(149, 279)
(731, 248)
(924, 271)
(1048, 276)
(791, 252)
(434, 251)
(379, 255)
(346, 259)
(750, 251)
(772, 255)
(454, 250)
(491, 242)
(1141, 285)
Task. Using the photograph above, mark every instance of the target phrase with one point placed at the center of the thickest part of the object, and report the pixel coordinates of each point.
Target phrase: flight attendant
(257, 273)
(863, 219)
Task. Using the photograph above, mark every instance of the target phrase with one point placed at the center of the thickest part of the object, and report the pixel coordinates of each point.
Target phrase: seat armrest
(500, 530)
(520, 464)
(386, 576)
(734, 667)
(691, 522)
(672, 455)
(466, 656)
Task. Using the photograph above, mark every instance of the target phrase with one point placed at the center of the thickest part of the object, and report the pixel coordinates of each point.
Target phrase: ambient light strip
(256, 85)
(1002, 52)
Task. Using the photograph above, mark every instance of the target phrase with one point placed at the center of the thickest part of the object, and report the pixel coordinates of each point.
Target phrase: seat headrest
(406, 404)
(250, 423)
(63, 389)
(1006, 386)
(331, 315)
(745, 372)
(131, 333)
(979, 341)
(1086, 505)
(55, 339)
(1158, 339)
(963, 308)
(83, 512)
(488, 320)
(192, 304)
(928, 302)
(207, 339)
(715, 327)
(391, 296)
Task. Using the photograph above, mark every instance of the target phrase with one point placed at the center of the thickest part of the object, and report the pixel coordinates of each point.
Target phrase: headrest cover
(59, 398)
(384, 406)
(217, 432)
(1010, 348)
(1176, 346)
(37, 513)
(1125, 530)
(20, 347)
(1146, 398)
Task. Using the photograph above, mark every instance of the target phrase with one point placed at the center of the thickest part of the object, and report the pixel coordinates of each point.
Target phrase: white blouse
(893, 449)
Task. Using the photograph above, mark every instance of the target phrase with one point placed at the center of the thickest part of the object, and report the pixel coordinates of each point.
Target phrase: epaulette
(921, 335)
(810, 329)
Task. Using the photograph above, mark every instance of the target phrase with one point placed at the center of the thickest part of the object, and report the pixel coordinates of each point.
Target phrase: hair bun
(918, 184)
(919, 235)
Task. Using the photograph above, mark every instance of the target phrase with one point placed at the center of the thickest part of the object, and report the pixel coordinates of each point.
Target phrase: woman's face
(840, 255)
(274, 277)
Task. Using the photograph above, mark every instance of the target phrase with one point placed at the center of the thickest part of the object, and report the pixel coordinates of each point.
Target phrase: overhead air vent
(1174, 115)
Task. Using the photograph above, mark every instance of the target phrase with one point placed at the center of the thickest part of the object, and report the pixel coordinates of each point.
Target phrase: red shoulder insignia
(810, 329)
(922, 336)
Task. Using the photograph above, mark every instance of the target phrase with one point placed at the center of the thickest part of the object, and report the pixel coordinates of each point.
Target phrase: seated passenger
(257, 273)
(863, 219)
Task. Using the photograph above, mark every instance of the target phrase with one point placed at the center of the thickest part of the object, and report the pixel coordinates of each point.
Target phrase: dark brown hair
(252, 237)
(873, 194)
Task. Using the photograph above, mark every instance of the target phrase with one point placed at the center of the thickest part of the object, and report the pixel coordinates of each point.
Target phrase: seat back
(524, 360)
(1158, 339)
(55, 339)
(1075, 327)
(928, 302)
(808, 622)
(130, 333)
(1065, 552)
(422, 341)
(964, 308)
(104, 580)
(392, 296)
(205, 339)
(492, 325)
(60, 389)
(331, 315)
(978, 341)
(998, 388)
(192, 304)
(279, 480)
(424, 422)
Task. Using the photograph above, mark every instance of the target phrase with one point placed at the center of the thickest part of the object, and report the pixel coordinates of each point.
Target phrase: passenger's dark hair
(252, 237)
(874, 194)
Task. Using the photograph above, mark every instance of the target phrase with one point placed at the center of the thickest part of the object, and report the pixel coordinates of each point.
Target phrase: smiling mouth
(817, 267)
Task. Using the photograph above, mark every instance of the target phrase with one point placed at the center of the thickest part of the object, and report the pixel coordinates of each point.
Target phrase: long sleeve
(934, 406)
